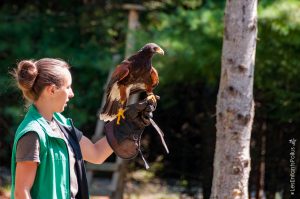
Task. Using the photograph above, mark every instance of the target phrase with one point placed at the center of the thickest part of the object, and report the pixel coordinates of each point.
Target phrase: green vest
(52, 176)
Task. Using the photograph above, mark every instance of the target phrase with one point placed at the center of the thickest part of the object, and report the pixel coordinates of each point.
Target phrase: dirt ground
(139, 185)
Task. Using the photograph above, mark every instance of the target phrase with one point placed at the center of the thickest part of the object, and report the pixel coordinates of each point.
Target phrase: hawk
(134, 74)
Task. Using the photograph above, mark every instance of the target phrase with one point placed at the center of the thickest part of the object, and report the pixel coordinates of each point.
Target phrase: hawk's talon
(120, 114)
(152, 97)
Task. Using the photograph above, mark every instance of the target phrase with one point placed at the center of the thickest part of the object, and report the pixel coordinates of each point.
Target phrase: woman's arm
(25, 175)
(137, 117)
(95, 153)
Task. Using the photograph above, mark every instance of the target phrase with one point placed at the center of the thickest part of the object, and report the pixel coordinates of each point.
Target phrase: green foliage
(192, 41)
(78, 35)
(87, 35)
(277, 66)
(283, 15)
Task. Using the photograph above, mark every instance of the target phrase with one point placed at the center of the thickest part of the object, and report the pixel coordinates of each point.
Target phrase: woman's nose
(71, 94)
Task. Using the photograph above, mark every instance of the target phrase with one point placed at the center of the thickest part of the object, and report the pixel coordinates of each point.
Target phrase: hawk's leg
(120, 113)
(152, 97)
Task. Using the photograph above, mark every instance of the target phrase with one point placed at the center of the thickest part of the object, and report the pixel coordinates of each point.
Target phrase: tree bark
(235, 106)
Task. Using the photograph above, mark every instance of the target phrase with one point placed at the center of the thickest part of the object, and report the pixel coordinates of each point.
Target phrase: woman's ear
(50, 90)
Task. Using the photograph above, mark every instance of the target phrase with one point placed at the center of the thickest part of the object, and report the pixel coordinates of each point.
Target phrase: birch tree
(235, 106)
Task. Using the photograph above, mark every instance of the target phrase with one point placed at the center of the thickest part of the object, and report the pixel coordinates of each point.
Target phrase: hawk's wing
(121, 71)
(154, 77)
(113, 92)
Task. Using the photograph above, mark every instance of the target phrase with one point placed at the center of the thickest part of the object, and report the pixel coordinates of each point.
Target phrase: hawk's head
(152, 48)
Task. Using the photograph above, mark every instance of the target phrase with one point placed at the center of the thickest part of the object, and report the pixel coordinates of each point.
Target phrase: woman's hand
(136, 118)
(124, 138)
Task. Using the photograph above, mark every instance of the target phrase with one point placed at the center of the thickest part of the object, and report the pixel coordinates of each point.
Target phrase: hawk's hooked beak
(160, 51)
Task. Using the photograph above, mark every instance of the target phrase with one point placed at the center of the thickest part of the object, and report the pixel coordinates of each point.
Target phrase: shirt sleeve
(28, 148)
(78, 134)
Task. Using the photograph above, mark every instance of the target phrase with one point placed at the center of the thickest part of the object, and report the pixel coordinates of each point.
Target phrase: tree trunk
(235, 106)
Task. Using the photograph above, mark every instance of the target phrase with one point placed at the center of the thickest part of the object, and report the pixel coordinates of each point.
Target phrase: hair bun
(26, 74)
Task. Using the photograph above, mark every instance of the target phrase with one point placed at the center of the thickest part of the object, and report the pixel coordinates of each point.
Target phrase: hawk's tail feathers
(110, 110)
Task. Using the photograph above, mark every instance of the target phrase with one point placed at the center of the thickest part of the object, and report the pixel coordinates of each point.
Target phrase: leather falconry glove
(125, 138)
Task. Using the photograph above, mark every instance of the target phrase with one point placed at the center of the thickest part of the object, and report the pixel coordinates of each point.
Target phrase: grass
(5, 192)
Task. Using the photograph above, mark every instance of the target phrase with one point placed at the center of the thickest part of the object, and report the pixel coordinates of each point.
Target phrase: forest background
(88, 33)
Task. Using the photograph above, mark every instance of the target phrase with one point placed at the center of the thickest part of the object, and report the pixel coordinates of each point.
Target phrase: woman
(49, 152)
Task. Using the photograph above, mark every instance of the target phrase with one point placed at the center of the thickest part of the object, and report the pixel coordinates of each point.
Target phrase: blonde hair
(32, 76)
